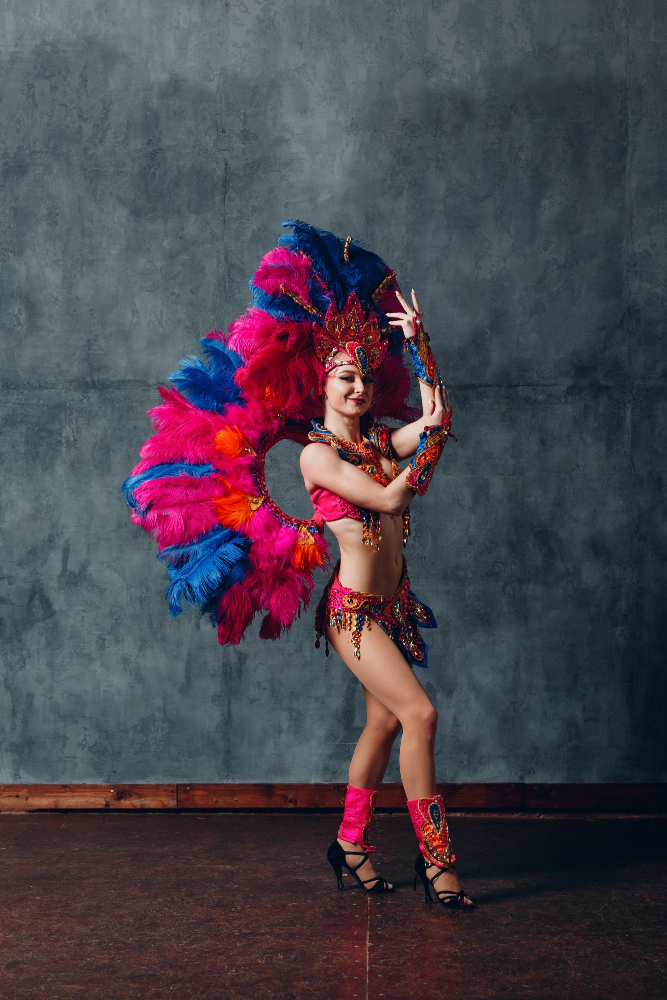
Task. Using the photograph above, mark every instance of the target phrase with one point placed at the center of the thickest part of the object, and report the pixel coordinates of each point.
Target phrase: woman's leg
(373, 750)
(387, 675)
(369, 763)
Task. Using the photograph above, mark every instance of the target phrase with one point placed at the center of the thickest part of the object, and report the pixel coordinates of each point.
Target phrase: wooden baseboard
(514, 797)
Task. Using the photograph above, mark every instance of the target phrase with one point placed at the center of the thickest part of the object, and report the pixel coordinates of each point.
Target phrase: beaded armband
(432, 440)
(423, 361)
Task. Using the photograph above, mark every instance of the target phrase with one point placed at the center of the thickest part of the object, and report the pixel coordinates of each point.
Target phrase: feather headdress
(200, 489)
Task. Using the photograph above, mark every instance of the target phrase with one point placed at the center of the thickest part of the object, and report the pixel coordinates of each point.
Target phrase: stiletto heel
(449, 898)
(336, 856)
(336, 865)
(421, 873)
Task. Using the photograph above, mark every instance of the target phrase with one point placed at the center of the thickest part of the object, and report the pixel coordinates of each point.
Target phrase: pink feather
(281, 369)
(391, 390)
(240, 474)
(181, 507)
(282, 267)
(176, 527)
(253, 420)
(273, 542)
(185, 433)
(283, 593)
(236, 610)
(250, 331)
(174, 491)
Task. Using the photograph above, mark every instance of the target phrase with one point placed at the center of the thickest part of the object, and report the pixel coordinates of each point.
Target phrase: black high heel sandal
(455, 900)
(336, 856)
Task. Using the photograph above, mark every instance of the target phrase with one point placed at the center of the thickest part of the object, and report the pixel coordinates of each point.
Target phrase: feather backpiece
(200, 489)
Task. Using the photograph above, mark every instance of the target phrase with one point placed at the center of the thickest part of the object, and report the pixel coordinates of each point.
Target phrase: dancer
(318, 358)
(349, 473)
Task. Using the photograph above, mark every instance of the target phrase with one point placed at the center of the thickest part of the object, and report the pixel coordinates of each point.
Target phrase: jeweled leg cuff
(428, 818)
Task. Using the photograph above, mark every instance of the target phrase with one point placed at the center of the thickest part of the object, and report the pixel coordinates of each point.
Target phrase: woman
(394, 697)
(318, 331)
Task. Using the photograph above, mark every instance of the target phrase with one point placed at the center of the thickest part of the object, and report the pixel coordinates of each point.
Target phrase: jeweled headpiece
(349, 332)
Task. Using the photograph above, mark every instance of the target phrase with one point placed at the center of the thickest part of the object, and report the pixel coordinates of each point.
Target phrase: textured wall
(507, 157)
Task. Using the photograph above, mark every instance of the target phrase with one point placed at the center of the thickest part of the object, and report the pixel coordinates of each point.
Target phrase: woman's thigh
(383, 671)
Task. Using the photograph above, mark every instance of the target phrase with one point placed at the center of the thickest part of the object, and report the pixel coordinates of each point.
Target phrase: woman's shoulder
(315, 454)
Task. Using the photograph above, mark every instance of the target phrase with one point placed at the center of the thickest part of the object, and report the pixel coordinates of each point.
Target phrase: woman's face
(347, 391)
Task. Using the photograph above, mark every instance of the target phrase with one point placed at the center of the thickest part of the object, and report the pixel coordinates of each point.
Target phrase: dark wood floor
(245, 905)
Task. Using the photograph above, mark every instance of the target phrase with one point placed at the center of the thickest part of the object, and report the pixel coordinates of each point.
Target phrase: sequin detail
(430, 823)
(400, 615)
(432, 440)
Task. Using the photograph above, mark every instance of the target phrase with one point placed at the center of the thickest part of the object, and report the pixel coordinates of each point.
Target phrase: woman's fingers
(409, 312)
(412, 310)
(403, 320)
(442, 398)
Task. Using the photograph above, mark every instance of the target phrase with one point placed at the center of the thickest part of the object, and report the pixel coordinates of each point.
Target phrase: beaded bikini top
(365, 456)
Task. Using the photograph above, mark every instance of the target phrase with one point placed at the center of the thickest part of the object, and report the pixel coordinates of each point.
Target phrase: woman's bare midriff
(363, 567)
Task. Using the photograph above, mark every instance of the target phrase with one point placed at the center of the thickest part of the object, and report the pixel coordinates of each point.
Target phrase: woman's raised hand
(406, 319)
(435, 402)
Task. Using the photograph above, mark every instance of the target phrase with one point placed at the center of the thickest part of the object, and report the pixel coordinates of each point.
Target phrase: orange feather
(236, 508)
(306, 553)
(231, 442)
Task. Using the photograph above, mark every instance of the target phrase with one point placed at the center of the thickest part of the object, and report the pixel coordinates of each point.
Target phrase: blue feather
(281, 306)
(278, 306)
(210, 384)
(201, 571)
(157, 472)
(361, 274)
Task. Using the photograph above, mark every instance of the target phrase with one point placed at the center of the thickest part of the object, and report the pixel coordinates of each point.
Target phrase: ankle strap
(432, 878)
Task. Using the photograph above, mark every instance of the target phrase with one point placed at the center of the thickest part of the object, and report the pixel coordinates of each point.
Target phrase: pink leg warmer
(428, 818)
(357, 816)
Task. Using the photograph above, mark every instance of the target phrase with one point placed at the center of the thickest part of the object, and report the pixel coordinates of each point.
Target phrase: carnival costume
(200, 489)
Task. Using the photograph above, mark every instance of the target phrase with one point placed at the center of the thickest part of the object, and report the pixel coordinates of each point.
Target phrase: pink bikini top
(329, 506)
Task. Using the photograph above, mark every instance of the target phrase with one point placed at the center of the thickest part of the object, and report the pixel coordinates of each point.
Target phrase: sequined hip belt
(400, 615)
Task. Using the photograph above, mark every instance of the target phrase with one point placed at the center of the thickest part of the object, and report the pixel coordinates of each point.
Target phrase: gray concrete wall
(508, 158)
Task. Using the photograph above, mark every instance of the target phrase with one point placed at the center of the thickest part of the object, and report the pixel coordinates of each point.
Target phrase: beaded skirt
(400, 615)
